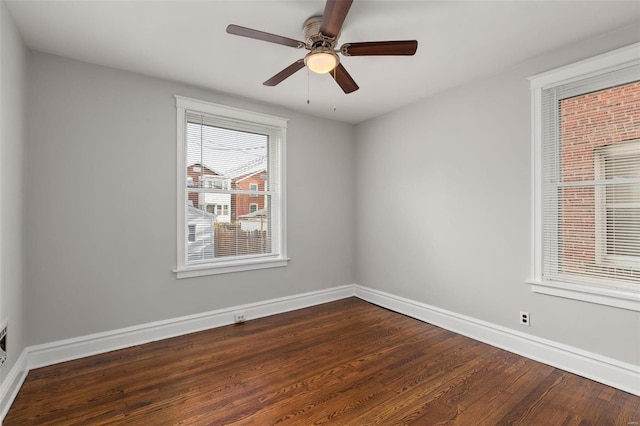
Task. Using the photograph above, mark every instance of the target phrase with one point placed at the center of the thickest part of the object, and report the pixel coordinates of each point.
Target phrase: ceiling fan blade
(285, 73)
(372, 48)
(335, 11)
(261, 35)
(343, 79)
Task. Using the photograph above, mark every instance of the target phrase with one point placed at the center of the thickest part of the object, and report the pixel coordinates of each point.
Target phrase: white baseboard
(12, 383)
(593, 366)
(66, 350)
(596, 367)
(80, 347)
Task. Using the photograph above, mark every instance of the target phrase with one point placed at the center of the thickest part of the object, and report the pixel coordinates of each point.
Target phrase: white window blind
(591, 180)
(230, 185)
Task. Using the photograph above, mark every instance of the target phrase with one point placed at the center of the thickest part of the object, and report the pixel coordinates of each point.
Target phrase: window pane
(591, 191)
(209, 239)
(248, 234)
(221, 162)
(223, 153)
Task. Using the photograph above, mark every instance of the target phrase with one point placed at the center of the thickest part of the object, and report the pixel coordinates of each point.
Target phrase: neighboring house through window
(199, 176)
(220, 150)
(587, 180)
(248, 185)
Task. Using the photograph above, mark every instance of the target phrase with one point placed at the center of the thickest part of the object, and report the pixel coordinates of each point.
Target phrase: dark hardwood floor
(344, 363)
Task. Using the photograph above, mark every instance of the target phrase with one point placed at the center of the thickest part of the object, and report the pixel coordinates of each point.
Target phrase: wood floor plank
(347, 362)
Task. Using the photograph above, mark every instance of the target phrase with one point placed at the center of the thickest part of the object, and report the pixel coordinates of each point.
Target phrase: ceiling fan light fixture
(321, 61)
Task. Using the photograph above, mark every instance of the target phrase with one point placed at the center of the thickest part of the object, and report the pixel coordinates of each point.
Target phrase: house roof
(244, 176)
(197, 212)
(262, 213)
(212, 172)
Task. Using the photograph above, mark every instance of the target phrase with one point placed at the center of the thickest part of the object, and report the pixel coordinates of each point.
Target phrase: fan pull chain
(308, 85)
(334, 95)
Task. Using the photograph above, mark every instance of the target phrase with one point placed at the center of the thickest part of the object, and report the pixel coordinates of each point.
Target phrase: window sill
(624, 299)
(228, 267)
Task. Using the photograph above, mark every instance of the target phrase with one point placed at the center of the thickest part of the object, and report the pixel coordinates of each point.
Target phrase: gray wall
(441, 195)
(13, 55)
(456, 196)
(101, 213)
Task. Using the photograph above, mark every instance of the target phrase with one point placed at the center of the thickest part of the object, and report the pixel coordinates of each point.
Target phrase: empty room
(347, 212)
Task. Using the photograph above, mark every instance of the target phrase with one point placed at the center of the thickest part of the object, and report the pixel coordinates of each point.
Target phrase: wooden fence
(231, 240)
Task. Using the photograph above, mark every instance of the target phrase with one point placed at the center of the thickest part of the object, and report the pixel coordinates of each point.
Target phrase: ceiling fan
(321, 36)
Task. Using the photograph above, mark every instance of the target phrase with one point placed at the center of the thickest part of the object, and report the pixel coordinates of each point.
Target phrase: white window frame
(277, 186)
(625, 298)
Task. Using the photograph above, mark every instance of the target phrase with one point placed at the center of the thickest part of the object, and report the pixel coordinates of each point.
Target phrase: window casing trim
(241, 263)
(607, 62)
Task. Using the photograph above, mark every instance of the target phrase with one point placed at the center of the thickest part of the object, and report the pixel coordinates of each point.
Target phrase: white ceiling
(186, 41)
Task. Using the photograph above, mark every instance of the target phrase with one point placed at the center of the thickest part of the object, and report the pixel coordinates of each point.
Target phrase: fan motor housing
(312, 35)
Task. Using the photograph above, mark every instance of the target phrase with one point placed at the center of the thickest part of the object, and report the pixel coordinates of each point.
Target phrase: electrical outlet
(239, 317)
(525, 319)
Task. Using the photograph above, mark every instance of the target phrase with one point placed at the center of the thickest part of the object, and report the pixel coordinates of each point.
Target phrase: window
(618, 205)
(253, 187)
(222, 210)
(218, 145)
(586, 137)
(253, 207)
